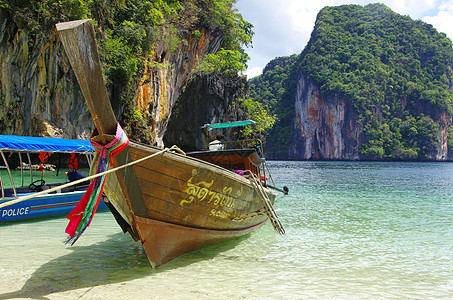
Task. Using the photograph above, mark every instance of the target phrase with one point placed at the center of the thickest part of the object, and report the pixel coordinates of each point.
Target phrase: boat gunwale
(204, 164)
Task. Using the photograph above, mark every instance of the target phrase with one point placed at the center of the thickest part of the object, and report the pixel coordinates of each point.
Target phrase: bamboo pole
(176, 148)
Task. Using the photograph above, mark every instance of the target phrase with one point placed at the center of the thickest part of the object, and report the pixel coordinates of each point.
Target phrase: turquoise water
(354, 230)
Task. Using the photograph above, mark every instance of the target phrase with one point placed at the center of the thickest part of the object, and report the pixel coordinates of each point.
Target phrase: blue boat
(14, 150)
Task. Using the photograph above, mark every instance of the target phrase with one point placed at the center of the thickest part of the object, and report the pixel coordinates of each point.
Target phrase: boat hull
(164, 241)
(42, 206)
(184, 203)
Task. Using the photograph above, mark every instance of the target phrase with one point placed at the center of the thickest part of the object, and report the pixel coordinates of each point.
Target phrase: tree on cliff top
(275, 90)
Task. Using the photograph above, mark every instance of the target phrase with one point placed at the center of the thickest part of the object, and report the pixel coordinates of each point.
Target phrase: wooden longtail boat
(173, 203)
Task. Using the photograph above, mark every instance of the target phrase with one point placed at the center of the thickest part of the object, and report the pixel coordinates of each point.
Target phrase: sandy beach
(107, 264)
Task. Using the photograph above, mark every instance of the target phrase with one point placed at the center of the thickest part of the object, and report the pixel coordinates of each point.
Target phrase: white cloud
(414, 8)
(303, 14)
(283, 27)
(253, 72)
(448, 5)
(443, 22)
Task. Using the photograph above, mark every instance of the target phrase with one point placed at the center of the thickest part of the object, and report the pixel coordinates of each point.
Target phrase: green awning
(228, 125)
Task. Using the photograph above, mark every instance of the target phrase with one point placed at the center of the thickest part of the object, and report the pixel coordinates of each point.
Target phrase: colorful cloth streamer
(82, 214)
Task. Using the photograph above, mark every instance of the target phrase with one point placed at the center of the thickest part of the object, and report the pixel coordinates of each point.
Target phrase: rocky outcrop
(38, 96)
(444, 120)
(208, 98)
(326, 126)
(443, 153)
(161, 84)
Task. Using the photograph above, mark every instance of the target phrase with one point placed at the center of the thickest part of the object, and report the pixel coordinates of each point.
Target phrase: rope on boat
(172, 148)
(268, 206)
(253, 214)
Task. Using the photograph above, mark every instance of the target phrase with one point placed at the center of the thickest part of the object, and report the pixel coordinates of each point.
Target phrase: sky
(283, 27)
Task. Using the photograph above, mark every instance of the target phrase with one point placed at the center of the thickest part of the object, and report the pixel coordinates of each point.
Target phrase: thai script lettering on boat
(201, 192)
(219, 214)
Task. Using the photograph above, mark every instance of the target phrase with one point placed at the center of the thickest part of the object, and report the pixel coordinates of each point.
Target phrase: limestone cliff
(326, 126)
(40, 94)
(208, 98)
(161, 86)
(370, 84)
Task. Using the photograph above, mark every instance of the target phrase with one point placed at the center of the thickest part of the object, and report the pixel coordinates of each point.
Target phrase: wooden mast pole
(79, 42)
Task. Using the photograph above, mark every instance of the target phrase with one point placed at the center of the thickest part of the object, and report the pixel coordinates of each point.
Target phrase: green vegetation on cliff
(275, 90)
(396, 72)
(227, 62)
(392, 69)
(128, 31)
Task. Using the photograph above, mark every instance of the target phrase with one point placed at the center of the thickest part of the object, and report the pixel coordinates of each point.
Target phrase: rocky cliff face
(444, 120)
(208, 98)
(326, 126)
(161, 86)
(443, 153)
(40, 94)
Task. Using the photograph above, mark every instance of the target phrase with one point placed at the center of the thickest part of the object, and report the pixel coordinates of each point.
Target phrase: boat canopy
(230, 124)
(39, 144)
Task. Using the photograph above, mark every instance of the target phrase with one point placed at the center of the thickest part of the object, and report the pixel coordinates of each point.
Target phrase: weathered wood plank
(79, 42)
(80, 45)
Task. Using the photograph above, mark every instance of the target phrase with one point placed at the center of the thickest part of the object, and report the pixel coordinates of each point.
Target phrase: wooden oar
(79, 42)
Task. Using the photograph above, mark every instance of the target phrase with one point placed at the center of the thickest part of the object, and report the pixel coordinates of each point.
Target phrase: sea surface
(354, 230)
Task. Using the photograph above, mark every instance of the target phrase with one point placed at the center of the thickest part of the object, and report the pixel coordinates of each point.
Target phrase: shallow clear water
(353, 230)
